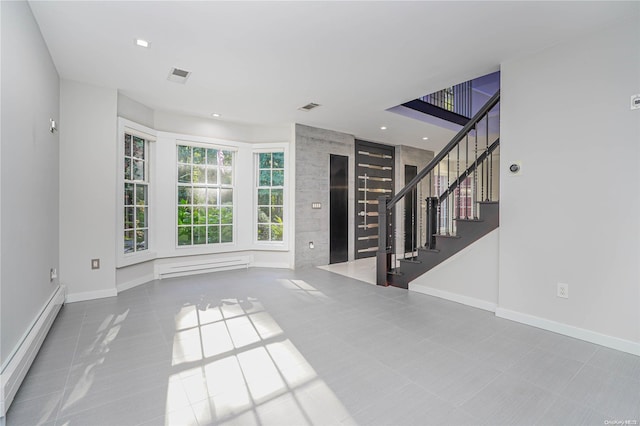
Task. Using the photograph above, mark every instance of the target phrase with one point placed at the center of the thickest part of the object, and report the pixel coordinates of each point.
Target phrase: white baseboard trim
(134, 283)
(199, 270)
(274, 265)
(568, 330)
(181, 269)
(454, 297)
(91, 295)
(20, 360)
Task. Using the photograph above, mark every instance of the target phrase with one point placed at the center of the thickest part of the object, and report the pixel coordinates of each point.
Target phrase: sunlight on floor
(303, 288)
(236, 364)
(106, 333)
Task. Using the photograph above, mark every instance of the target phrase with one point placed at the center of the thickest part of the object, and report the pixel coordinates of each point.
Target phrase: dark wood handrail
(448, 148)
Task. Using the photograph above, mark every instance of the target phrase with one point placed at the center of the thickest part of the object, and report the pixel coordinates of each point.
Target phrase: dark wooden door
(338, 209)
(374, 178)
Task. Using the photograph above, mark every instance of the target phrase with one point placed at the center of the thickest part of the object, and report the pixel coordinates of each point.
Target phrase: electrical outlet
(95, 263)
(563, 290)
(53, 274)
(311, 245)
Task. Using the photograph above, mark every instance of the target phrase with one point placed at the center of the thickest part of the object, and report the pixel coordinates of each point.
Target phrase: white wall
(29, 174)
(199, 126)
(135, 111)
(88, 130)
(572, 215)
(470, 276)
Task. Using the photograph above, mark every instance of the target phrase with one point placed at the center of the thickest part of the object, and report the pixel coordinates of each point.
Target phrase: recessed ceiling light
(383, 128)
(215, 115)
(425, 138)
(142, 43)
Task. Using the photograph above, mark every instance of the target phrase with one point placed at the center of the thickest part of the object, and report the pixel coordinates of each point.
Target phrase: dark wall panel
(338, 209)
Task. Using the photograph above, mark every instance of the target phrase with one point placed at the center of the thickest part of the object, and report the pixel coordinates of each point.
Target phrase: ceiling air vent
(309, 107)
(178, 76)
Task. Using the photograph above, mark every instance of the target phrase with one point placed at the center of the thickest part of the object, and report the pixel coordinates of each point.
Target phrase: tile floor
(361, 269)
(280, 347)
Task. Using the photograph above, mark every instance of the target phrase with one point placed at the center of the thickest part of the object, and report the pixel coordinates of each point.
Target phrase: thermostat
(515, 168)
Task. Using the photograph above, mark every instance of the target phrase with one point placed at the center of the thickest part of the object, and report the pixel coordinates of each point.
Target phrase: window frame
(286, 216)
(150, 136)
(207, 247)
(135, 185)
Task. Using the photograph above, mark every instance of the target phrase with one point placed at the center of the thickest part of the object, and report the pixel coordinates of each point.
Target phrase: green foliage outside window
(270, 176)
(205, 196)
(136, 188)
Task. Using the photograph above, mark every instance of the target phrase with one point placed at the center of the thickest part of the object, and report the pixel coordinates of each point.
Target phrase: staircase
(460, 192)
(468, 231)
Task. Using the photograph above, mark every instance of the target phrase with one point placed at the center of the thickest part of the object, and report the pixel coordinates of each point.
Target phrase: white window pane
(141, 239)
(138, 170)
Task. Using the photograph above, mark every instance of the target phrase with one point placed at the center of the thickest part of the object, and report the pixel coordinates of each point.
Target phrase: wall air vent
(309, 106)
(178, 75)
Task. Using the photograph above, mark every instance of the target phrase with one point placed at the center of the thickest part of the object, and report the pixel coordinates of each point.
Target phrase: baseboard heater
(202, 266)
(18, 363)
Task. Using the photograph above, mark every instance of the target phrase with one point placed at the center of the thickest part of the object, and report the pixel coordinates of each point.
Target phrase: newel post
(383, 255)
(432, 221)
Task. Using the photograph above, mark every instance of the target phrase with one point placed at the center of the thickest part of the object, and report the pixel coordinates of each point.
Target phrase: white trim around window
(286, 218)
(149, 135)
(219, 187)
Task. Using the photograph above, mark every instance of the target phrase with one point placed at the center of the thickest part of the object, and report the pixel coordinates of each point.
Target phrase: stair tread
(469, 220)
(410, 261)
(429, 250)
(447, 236)
(488, 202)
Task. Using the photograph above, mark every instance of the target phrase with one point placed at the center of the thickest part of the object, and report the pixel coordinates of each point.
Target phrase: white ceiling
(258, 62)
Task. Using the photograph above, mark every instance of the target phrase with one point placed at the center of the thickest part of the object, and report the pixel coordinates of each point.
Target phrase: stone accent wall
(313, 147)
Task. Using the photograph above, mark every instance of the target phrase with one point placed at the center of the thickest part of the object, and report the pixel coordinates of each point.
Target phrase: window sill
(205, 249)
(271, 246)
(224, 248)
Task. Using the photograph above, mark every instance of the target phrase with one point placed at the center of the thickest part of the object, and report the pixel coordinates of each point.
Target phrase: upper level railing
(455, 99)
(448, 189)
